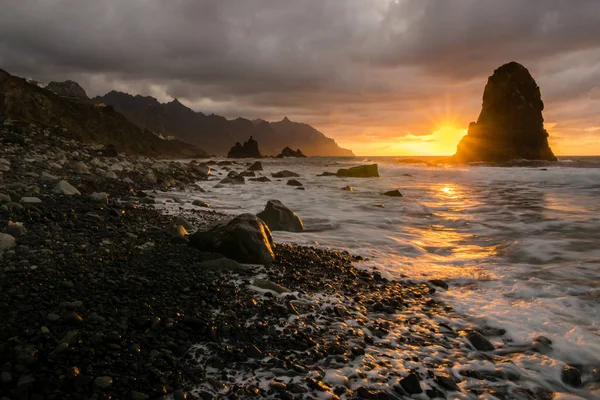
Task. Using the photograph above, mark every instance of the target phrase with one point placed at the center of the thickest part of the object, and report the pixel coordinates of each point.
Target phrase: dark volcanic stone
(287, 152)
(285, 174)
(246, 239)
(479, 341)
(571, 376)
(439, 283)
(393, 193)
(248, 150)
(361, 171)
(280, 218)
(411, 384)
(256, 166)
(293, 182)
(510, 125)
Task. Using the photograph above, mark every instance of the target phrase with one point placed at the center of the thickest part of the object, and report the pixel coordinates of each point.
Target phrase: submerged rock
(233, 178)
(261, 179)
(280, 218)
(248, 150)
(361, 171)
(293, 182)
(245, 239)
(510, 125)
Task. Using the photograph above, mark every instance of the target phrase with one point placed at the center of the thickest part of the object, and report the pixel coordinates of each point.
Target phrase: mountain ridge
(215, 133)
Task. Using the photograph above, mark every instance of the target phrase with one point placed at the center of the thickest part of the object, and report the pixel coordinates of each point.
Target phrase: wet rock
(285, 174)
(571, 376)
(200, 203)
(280, 218)
(327, 174)
(179, 220)
(446, 383)
(479, 341)
(7, 241)
(150, 178)
(261, 179)
(293, 182)
(393, 193)
(510, 125)
(439, 283)
(110, 174)
(175, 230)
(348, 188)
(4, 198)
(254, 352)
(268, 285)
(246, 239)
(46, 177)
(256, 166)
(233, 178)
(65, 188)
(361, 171)
(411, 384)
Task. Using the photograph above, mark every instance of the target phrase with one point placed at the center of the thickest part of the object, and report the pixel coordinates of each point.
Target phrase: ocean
(519, 247)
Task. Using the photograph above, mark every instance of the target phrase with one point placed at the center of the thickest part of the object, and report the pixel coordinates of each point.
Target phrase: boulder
(280, 218)
(248, 150)
(6, 241)
(571, 376)
(179, 220)
(64, 187)
(293, 182)
(256, 166)
(287, 152)
(233, 178)
(284, 174)
(510, 125)
(361, 171)
(348, 188)
(479, 341)
(393, 193)
(245, 239)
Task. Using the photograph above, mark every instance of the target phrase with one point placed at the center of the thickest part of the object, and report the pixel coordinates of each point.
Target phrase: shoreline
(99, 300)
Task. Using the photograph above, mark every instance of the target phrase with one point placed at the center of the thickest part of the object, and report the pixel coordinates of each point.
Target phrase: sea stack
(510, 125)
(248, 150)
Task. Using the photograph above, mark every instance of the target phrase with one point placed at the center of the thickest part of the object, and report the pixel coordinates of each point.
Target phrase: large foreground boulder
(245, 239)
(280, 218)
(248, 150)
(287, 152)
(510, 125)
(362, 171)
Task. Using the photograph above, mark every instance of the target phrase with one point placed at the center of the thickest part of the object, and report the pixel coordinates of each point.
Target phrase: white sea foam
(520, 247)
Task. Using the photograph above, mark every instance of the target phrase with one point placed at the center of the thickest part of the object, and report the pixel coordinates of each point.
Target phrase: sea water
(520, 247)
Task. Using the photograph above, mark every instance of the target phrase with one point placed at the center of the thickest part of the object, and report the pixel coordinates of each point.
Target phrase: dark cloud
(379, 68)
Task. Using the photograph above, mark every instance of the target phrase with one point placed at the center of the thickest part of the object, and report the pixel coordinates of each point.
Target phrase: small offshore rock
(439, 283)
(348, 188)
(199, 203)
(256, 166)
(393, 193)
(293, 182)
(361, 171)
(285, 174)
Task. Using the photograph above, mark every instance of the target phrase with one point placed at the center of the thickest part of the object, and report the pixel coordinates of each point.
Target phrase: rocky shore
(102, 297)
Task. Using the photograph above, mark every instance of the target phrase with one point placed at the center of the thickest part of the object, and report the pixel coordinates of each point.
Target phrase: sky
(382, 77)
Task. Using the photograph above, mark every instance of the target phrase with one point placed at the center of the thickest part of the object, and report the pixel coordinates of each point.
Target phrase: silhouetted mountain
(216, 134)
(23, 101)
(510, 125)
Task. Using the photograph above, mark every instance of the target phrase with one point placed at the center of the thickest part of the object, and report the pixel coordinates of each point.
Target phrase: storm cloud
(361, 71)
